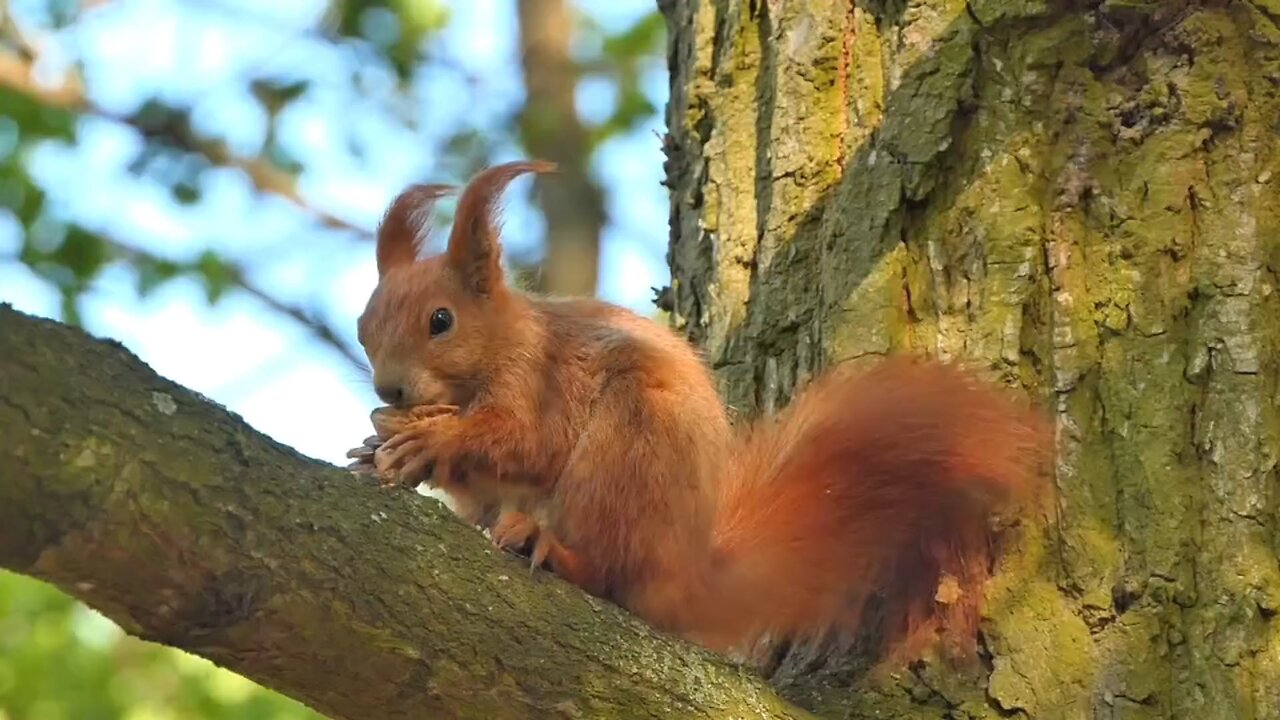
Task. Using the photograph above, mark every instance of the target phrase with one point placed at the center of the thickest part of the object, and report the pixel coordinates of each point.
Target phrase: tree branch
(18, 74)
(307, 320)
(188, 528)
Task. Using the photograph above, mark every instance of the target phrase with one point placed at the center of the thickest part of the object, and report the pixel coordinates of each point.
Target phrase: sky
(265, 368)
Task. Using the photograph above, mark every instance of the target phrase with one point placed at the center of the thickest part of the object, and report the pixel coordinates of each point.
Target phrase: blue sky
(237, 352)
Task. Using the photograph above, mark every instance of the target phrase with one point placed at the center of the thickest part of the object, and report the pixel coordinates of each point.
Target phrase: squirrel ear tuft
(474, 249)
(403, 229)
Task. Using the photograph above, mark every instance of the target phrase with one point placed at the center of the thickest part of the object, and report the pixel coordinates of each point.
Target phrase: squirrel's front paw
(419, 450)
(391, 421)
(402, 461)
(396, 456)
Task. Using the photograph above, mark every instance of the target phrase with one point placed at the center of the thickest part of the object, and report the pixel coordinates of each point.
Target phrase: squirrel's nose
(390, 394)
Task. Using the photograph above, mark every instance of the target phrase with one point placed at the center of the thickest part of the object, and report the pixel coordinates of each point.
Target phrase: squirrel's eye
(441, 320)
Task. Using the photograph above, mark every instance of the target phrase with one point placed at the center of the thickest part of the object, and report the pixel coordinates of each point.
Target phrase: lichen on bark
(1083, 202)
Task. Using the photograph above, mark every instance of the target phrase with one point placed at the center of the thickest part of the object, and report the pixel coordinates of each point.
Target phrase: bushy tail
(876, 489)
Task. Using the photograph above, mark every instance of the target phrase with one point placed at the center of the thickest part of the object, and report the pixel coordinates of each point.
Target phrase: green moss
(989, 12)
(873, 317)
(1045, 659)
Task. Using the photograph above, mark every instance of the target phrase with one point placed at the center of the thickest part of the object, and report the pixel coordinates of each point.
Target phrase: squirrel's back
(604, 341)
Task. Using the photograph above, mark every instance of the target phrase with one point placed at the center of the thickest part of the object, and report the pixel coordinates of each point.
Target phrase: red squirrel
(596, 438)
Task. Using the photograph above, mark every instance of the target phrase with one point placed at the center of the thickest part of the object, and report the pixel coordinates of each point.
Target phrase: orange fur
(403, 228)
(597, 438)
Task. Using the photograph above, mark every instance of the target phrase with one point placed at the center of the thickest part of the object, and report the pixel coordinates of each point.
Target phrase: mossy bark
(1084, 200)
(188, 528)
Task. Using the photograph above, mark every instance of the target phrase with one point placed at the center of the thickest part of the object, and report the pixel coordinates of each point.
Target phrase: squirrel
(595, 439)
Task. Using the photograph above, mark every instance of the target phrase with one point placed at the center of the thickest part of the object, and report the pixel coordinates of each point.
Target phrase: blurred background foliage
(201, 180)
(62, 661)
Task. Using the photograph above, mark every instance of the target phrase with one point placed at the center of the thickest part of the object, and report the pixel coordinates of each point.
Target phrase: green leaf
(185, 192)
(155, 272)
(420, 18)
(274, 96)
(36, 120)
(645, 37)
(218, 275)
(83, 253)
(14, 191)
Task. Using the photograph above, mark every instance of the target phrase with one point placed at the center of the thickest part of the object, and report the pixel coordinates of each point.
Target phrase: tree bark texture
(186, 527)
(1083, 198)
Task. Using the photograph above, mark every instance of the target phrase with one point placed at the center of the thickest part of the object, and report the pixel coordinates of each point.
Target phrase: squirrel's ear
(403, 229)
(474, 250)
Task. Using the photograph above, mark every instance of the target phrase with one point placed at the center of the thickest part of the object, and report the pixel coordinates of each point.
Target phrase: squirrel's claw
(514, 529)
(415, 470)
(541, 549)
(395, 451)
(407, 459)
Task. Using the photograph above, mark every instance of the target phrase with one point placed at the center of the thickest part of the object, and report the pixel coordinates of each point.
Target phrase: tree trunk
(1083, 198)
(188, 528)
(550, 128)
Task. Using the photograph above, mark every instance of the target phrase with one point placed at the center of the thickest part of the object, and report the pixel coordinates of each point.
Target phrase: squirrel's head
(434, 326)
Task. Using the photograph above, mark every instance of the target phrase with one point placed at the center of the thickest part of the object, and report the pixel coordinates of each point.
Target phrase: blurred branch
(328, 29)
(18, 74)
(235, 275)
(10, 35)
(551, 129)
(190, 529)
(320, 329)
